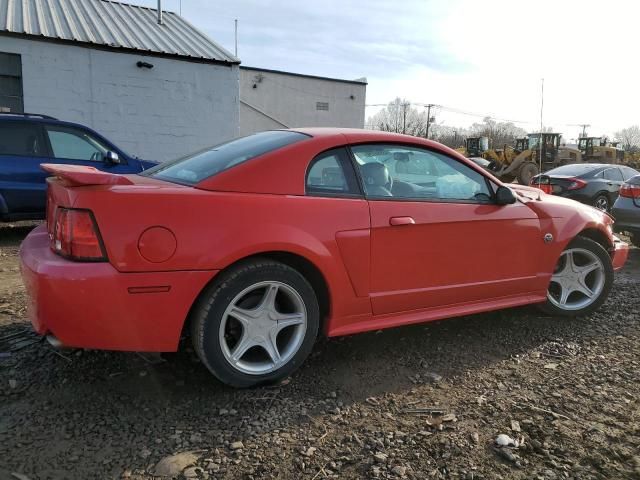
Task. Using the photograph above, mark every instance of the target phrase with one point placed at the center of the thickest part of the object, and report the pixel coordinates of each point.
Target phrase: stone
(399, 471)
(380, 457)
(309, 451)
(173, 465)
(236, 446)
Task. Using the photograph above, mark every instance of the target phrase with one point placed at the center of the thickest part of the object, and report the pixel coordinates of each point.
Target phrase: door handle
(401, 221)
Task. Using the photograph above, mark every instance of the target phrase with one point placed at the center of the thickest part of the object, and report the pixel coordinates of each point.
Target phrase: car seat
(377, 180)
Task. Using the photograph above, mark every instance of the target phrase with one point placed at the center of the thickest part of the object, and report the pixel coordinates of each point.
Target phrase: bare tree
(629, 138)
(499, 133)
(400, 117)
(450, 136)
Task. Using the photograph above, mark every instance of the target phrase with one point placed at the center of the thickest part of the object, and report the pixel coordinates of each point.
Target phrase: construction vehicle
(474, 146)
(478, 147)
(542, 149)
(599, 150)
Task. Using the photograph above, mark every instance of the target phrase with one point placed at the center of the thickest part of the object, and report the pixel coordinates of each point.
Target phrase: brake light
(576, 184)
(51, 208)
(543, 183)
(76, 236)
(630, 191)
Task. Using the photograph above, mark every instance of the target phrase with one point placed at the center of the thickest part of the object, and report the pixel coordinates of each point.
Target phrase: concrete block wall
(173, 109)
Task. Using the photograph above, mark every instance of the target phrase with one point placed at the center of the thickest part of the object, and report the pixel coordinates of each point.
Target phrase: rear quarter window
(206, 163)
(21, 139)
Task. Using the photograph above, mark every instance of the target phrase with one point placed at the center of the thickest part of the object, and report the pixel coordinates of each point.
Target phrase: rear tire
(526, 172)
(256, 324)
(581, 280)
(601, 202)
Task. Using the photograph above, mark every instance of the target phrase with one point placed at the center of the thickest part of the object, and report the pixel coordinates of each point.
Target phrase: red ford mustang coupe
(256, 245)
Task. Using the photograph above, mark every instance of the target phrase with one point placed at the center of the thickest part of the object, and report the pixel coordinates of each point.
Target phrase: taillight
(542, 182)
(51, 208)
(576, 184)
(630, 191)
(76, 236)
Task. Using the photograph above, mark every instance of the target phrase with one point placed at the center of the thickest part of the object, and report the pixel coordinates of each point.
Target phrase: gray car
(595, 184)
(626, 210)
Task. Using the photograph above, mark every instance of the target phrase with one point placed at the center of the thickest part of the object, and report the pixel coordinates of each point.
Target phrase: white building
(273, 99)
(157, 90)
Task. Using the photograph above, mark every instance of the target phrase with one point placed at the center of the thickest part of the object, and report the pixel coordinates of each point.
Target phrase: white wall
(282, 100)
(158, 114)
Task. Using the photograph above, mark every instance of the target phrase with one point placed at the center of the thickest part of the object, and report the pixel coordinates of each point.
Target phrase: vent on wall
(322, 105)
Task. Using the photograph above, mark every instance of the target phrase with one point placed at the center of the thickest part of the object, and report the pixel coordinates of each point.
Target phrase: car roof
(38, 118)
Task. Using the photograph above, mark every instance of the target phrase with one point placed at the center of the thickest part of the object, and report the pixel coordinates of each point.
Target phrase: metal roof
(112, 25)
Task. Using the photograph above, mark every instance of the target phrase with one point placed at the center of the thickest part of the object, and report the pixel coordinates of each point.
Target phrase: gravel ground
(425, 401)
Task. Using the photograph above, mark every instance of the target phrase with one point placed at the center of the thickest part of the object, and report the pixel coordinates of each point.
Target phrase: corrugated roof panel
(110, 23)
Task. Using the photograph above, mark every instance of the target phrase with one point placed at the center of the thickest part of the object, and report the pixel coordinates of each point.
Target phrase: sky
(485, 58)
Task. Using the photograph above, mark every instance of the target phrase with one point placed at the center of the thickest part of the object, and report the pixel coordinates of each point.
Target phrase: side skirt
(381, 322)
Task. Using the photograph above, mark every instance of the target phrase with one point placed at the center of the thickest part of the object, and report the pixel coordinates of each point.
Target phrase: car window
(613, 174)
(331, 173)
(573, 170)
(408, 172)
(212, 160)
(21, 139)
(75, 144)
(628, 172)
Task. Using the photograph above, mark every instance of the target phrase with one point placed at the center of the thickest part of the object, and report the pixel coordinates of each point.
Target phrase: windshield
(533, 142)
(208, 162)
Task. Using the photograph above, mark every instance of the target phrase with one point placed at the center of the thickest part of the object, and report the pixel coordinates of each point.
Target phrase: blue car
(27, 140)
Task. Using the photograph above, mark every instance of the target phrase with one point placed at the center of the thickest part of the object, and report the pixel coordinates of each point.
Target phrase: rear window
(206, 163)
(572, 170)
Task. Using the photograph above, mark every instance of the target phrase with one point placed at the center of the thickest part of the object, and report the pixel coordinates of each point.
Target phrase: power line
(455, 110)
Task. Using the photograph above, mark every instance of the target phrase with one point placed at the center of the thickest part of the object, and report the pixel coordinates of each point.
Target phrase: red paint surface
(453, 259)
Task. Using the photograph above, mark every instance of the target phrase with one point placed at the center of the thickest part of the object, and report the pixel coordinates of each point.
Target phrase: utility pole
(428, 117)
(584, 129)
(236, 36)
(404, 117)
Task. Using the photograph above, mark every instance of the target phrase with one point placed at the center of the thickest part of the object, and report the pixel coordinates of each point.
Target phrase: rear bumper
(619, 253)
(92, 305)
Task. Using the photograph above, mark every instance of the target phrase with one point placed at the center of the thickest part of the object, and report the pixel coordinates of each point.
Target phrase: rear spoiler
(77, 175)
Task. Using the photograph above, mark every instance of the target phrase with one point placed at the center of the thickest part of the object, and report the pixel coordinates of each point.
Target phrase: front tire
(256, 324)
(526, 172)
(581, 280)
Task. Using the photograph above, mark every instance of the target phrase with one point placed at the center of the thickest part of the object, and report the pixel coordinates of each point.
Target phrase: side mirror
(505, 196)
(112, 158)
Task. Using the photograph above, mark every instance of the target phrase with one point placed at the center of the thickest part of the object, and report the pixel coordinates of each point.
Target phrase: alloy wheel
(577, 281)
(602, 203)
(263, 327)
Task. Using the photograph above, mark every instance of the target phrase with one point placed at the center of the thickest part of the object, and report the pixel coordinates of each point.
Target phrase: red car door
(437, 236)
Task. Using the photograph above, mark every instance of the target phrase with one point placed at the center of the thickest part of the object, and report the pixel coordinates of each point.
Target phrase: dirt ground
(426, 401)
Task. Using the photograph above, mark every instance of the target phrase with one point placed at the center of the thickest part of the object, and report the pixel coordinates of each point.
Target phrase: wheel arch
(310, 271)
(597, 236)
